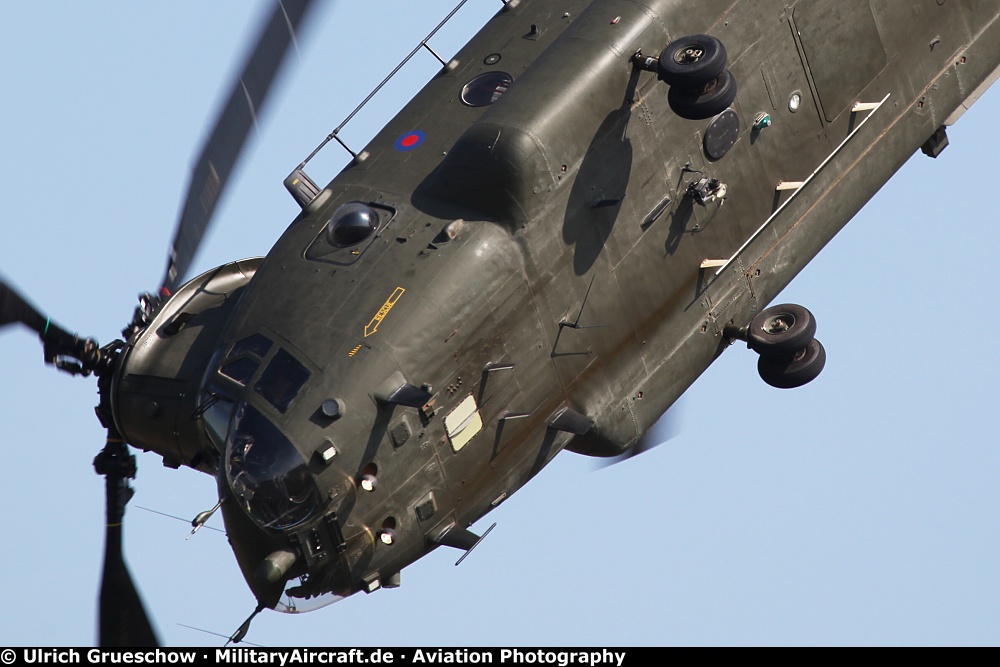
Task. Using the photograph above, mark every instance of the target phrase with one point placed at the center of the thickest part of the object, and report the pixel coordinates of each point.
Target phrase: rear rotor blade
(225, 143)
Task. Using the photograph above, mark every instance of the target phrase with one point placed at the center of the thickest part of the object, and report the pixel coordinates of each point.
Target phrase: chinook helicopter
(745, 394)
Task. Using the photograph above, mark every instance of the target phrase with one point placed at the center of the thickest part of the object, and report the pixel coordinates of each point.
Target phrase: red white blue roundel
(410, 140)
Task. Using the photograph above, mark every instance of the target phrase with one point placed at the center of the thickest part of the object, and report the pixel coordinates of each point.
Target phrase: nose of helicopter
(290, 446)
(334, 434)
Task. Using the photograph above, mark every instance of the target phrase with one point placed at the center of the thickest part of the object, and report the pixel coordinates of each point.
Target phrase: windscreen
(268, 476)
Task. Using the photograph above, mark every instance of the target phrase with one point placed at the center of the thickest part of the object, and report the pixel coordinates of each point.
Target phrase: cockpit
(247, 391)
(267, 474)
(269, 477)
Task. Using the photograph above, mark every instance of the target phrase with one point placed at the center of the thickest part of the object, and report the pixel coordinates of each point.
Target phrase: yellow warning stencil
(372, 326)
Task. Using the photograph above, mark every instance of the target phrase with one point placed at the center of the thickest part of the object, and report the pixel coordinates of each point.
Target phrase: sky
(862, 509)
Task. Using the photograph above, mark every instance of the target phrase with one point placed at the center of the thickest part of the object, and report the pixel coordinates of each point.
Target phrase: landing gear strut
(784, 337)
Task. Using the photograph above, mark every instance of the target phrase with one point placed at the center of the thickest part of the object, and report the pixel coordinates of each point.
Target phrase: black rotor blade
(57, 342)
(15, 308)
(123, 618)
(228, 136)
(124, 621)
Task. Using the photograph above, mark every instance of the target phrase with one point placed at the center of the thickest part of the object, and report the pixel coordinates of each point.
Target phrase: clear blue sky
(861, 509)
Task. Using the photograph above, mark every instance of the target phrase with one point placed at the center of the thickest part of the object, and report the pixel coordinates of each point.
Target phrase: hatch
(843, 50)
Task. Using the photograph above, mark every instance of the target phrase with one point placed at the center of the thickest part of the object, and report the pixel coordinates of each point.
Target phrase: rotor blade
(123, 618)
(228, 136)
(15, 308)
(124, 621)
(56, 341)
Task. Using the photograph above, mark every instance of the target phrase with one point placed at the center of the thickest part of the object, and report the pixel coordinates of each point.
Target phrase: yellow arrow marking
(383, 311)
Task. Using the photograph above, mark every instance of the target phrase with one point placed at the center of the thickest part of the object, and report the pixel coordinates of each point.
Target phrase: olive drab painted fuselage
(537, 253)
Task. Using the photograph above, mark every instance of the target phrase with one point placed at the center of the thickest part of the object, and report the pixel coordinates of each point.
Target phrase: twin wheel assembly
(695, 69)
(783, 336)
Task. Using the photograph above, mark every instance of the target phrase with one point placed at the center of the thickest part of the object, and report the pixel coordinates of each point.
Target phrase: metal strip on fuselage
(777, 212)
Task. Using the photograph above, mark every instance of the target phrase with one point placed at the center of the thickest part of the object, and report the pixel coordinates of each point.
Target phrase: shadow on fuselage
(595, 200)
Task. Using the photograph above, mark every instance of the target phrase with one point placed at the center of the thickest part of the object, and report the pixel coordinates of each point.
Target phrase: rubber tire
(782, 373)
(692, 74)
(694, 104)
(796, 337)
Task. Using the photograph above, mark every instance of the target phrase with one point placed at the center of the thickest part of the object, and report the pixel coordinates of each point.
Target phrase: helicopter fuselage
(521, 262)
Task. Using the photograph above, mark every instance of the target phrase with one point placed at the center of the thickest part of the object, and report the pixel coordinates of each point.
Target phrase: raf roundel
(410, 140)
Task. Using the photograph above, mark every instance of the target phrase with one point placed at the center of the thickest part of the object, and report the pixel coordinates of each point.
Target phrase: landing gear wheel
(704, 102)
(781, 329)
(692, 61)
(789, 372)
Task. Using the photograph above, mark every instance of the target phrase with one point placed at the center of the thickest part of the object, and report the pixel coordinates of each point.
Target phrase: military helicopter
(648, 504)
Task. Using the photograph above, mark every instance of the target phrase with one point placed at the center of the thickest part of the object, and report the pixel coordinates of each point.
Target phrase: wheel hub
(690, 55)
(779, 324)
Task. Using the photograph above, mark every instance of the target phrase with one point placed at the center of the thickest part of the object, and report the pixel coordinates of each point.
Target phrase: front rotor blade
(124, 622)
(123, 618)
(15, 308)
(228, 136)
(56, 341)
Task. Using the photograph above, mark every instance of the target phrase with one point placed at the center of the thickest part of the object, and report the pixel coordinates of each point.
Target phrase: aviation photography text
(303, 656)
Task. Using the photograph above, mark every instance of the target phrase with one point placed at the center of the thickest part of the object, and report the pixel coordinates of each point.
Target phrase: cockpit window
(256, 344)
(216, 411)
(240, 370)
(245, 358)
(267, 474)
(282, 380)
